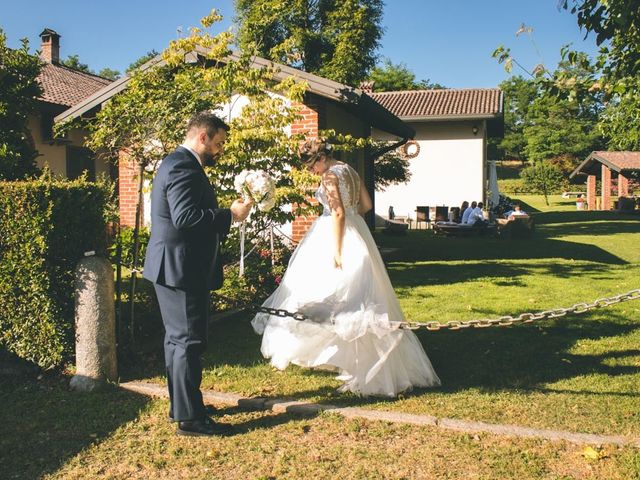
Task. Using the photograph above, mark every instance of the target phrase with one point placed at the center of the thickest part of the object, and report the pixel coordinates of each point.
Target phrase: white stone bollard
(96, 360)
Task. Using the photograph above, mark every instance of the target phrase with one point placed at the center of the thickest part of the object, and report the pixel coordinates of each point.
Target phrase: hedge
(45, 228)
(512, 186)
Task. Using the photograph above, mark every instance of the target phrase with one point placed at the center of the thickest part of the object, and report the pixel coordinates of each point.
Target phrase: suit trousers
(185, 315)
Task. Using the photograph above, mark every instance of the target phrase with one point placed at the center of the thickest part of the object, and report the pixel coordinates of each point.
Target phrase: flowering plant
(258, 186)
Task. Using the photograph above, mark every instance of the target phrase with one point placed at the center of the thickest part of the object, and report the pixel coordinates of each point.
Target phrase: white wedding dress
(355, 315)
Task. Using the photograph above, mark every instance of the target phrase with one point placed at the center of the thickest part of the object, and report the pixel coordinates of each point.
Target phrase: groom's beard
(209, 160)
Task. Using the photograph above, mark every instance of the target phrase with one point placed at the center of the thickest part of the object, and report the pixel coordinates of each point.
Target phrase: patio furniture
(442, 214)
(521, 226)
(422, 215)
(452, 229)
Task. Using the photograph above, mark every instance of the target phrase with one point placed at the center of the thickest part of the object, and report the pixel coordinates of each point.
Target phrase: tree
(142, 60)
(519, 94)
(19, 92)
(395, 77)
(556, 127)
(334, 39)
(615, 22)
(109, 74)
(390, 169)
(543, 178)
(73, 61)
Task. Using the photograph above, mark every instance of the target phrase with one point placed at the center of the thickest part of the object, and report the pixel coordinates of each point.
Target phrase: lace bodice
(349, 186)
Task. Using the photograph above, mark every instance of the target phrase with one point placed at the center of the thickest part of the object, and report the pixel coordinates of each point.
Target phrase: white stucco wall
(449, 169)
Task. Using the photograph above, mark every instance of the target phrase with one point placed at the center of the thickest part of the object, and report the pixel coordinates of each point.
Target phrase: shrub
(260, 279)
(125, 240)
(512, 186)
(543, 178)
(46, 226)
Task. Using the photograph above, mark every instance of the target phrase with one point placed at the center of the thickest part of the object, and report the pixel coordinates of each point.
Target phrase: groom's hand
(240, 209)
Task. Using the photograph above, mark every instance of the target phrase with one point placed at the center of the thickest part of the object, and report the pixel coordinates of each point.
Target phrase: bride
(336, 277)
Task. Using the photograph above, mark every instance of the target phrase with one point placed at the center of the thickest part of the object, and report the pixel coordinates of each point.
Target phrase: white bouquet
(258, 186)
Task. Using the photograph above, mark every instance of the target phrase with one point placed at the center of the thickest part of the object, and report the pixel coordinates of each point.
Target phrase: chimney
(50, 46)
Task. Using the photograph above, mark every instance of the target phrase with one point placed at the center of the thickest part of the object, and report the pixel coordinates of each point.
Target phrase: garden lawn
(52, 433)
(579, 373)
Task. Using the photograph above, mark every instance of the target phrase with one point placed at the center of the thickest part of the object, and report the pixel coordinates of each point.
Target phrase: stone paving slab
(467, 426)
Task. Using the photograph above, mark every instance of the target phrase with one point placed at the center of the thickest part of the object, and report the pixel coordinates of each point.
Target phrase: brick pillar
(307, 124)
(127, 189)
(308, 121)
(302, 223)
(591, 192)
(606, 188)
(623, 186)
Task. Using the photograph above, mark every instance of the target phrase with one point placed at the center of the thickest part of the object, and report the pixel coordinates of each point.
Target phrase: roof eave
(380, 117)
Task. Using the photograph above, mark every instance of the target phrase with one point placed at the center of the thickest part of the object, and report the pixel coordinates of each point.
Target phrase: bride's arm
(365, 204)
(330, 182)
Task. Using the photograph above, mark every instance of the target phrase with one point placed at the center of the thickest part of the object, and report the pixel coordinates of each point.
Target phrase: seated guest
(467, 212)
(476, 217)
(516, 212)
(463, 208)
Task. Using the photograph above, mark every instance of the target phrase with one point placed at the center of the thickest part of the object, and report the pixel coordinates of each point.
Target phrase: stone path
(308, 408)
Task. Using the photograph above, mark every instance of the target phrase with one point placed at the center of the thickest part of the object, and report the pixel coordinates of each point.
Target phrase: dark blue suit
(187, 229)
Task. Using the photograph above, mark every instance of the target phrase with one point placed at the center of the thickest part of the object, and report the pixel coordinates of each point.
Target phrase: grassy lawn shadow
(42, 434)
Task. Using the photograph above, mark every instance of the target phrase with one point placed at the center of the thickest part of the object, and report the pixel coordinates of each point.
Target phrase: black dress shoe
(208, 410)
(203, 428)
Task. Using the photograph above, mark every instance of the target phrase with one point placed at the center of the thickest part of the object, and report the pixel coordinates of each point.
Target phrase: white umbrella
(494, 197)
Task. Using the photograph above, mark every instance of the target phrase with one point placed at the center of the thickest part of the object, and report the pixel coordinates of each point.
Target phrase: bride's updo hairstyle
(312, 150)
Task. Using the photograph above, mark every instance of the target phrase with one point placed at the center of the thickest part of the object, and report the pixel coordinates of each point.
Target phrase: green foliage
(556, 127)
(395, 77)
(616, 26)
(73, 61)
(46, 227)
(19, 91)
(543, 178)
(125, 242)
(390, 169)
(519, 94)
(262, 275)
(336, 40)
(512, 186)
(620, 121)
(142, 60)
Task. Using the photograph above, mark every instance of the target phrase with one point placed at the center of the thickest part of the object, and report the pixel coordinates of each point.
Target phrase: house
(327, 105)
(600, 165)
(448, 157)
(62, 88)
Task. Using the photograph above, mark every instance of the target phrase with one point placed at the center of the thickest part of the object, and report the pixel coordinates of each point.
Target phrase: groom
(183, 262)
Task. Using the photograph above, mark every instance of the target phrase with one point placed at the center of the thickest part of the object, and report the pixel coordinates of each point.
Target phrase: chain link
(503, 321)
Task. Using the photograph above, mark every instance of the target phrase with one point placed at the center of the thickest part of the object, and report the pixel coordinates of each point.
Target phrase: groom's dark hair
(207, 120)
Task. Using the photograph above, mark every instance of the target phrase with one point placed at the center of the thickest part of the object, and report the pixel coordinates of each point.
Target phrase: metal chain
(503, 321)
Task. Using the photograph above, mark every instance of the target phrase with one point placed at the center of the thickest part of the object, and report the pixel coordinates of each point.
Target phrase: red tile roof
(65, 86)
(622, 160)
(442, 103)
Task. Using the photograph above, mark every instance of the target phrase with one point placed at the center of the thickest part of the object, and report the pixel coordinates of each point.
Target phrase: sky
(447, 42)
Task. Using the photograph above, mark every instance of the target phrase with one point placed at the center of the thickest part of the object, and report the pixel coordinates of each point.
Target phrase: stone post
(96, 361)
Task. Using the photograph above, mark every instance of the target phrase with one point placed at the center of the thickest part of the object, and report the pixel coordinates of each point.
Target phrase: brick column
(623, 186)
(591, 192)
(307, 125)
(606, 188)
(127, 189)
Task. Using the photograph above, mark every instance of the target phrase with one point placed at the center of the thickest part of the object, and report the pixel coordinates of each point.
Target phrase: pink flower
(278, 279)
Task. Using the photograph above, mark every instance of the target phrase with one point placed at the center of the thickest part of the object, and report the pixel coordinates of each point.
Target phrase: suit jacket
(187, 227)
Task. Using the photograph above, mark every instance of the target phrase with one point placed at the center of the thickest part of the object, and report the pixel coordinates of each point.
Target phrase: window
(80, 159)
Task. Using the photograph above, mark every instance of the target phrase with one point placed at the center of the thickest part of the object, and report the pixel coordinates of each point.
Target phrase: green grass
(579, 373)
(57, 434)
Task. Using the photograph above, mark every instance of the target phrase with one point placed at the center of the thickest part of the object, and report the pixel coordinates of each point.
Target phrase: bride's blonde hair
(311, 150)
